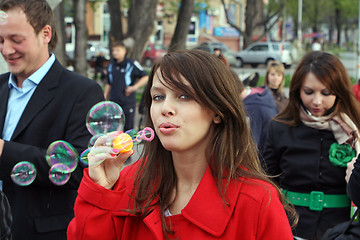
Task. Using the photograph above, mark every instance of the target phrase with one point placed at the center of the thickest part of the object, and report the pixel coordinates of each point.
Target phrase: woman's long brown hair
(232, 150)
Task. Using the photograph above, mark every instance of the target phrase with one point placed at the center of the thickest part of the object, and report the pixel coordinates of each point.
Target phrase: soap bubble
(84, 156)
(62, 152)
(59, 174)
(23, 173)
(105, 117)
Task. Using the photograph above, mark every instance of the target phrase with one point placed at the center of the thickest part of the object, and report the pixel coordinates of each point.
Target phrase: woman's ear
(217, 119)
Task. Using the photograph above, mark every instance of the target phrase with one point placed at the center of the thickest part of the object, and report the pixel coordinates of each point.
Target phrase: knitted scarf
(343, 128)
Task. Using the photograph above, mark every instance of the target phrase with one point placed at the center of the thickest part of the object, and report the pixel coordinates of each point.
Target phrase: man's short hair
(38, 13)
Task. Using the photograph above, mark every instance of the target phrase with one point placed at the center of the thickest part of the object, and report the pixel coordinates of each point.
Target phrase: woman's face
(274, 78)
(181, 123)
(316, 97)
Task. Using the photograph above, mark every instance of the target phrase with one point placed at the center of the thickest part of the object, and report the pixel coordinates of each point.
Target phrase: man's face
(119, 53)
(23, 49)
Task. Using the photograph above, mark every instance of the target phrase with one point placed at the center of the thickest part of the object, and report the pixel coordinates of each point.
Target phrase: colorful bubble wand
(120, 142)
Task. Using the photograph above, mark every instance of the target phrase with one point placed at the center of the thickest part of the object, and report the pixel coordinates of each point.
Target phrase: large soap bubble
(64, 153)
(105, 117)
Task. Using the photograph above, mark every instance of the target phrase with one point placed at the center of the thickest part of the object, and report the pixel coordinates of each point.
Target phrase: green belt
(316, 201)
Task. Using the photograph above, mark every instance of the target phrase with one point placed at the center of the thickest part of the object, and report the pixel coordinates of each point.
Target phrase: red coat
(255, 212)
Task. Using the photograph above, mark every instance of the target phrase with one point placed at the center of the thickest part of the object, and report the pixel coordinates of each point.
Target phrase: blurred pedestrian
(125, 76)
(260, 109)
(99, 67)
(200, 177)
(275, 80)
(218, 53)
(310, 142)
(40, 102)
(316, 45)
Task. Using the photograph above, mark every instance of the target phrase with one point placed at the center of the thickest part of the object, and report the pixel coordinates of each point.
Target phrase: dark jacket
(56, 111)
(5, 218)
(300, 155)
(354, 184)
(260, 108)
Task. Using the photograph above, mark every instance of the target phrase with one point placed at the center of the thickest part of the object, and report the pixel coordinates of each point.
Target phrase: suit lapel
(43, 94)
(4, 96)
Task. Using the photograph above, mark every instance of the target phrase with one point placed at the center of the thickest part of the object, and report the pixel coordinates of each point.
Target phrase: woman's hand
(105, 163)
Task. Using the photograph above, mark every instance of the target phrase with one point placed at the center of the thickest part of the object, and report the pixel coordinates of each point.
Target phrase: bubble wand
(120, 142)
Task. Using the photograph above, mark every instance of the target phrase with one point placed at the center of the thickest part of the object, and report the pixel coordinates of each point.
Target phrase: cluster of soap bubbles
(3, 17)
(62, 158)
(105, 119)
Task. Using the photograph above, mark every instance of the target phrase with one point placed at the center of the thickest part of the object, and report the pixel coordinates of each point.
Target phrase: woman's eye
(326, 93)
(308, 91)
(158, 97)
(184, 96)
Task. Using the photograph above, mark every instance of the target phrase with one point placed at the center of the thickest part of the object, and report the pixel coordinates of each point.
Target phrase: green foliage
(321, 11)
(287, 80)
(94, 4)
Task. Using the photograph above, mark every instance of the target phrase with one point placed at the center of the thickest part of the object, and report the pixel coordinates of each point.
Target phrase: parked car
(227, 53)
(263, 52)
(153, 53)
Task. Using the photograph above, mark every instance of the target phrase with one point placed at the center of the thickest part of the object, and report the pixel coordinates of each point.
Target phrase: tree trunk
(178, 40)
(80, 62)
(253, 15)
(141, 25)
(338, 25)
(116, 31)
(59, 51)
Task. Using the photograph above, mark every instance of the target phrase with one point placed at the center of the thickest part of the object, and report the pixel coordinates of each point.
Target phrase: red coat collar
(205, 209)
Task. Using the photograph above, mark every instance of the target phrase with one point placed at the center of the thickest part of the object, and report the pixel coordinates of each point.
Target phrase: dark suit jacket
(56, 111)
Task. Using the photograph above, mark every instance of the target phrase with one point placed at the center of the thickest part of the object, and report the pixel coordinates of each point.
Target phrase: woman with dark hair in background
(303, 142)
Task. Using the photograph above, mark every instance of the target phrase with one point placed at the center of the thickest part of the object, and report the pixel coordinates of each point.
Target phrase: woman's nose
(168, 108)
(317, 99)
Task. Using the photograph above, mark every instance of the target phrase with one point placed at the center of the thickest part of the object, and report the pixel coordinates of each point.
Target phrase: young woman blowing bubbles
(200, 177)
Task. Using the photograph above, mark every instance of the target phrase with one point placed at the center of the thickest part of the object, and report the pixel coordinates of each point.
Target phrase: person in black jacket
(309, 144)
(5, 218)
(353, 179)
(99, 67)
(125, 77)
(40, 102)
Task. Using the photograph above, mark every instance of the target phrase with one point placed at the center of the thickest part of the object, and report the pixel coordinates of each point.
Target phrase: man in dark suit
(40, 102)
